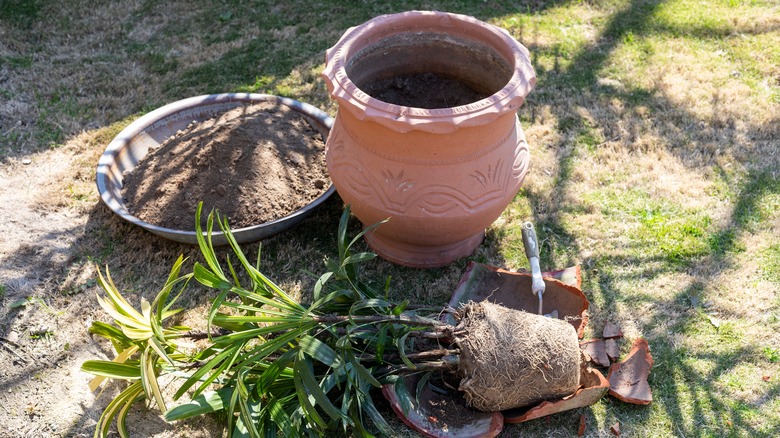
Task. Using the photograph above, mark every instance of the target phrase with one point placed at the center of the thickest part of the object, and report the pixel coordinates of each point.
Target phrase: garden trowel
(531, 244)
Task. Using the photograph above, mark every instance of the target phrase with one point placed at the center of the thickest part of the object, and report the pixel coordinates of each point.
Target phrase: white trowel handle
(531, 244)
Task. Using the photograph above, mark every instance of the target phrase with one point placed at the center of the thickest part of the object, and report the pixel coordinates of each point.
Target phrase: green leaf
(320, 351)
(209, 279)
(397, 310)
(233, 272)
(121, 415)
(303, 368)
(341, 237)
(160, 350)
(367, 406)
(256, 276)
(261, 351)
(112, 333)
(358, 258)
(127, 397)
(268, 317)
(280, 417)
(401, 345)
(250, 411)
(363, 372)
(205, 403)
(277, 368)
(421, 384)
(306, 400)
(252, 333)
(381, 342)
(149, 378)
(268, 301)
(233, 403)
(205, 244)
(173, 278)
(373, 303)
(329, 299)
(363, 232)
(112, 369)
(214, 308)
(220, 359)
(320, 283)
(332, 266)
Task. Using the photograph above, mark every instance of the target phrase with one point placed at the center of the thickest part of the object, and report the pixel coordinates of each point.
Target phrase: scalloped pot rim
(440, 120)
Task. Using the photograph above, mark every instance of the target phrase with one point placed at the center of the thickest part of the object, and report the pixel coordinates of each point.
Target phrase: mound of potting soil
(510, 358)
(253, 163)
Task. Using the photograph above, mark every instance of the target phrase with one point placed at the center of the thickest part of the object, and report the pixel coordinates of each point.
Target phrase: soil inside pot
(253, 163)
(424, 90)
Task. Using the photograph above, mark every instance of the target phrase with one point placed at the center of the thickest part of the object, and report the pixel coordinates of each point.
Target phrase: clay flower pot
(441, 174)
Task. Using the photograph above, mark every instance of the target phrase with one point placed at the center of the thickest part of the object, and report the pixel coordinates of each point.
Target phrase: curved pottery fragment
(593, 386)
(439, 414)
(513, 290)
(628, 379)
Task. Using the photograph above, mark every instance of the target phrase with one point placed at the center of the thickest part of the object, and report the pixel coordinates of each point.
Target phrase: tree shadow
(687, 395)
(139, 261)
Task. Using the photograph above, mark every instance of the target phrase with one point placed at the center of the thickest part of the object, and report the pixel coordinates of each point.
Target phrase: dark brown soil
(425, 90)
(254, 164)
(447, 410)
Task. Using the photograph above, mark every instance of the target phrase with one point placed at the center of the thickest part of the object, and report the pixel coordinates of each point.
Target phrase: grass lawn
(655, 141)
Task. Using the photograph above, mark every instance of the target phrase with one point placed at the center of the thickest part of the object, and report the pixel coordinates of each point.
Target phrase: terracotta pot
(441, 175)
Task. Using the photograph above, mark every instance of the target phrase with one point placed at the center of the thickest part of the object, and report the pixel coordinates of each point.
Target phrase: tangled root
(510, 358)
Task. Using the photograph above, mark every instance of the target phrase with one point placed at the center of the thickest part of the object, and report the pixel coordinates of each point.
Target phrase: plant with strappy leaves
(143, 345)
(292, 369)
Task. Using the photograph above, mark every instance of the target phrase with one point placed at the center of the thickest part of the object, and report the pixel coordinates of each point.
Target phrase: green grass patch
(657, 229)
(770, 264)
(17, 61)
(21, 13)
(772, 355)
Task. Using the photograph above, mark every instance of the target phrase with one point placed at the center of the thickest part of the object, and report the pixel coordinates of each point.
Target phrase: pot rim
(439, 120)
(118, 157)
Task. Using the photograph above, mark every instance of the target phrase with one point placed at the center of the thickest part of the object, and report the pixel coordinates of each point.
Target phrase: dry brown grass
(654, 133)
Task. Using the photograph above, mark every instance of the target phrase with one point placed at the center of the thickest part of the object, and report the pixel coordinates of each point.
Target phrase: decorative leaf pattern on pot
(399, 194)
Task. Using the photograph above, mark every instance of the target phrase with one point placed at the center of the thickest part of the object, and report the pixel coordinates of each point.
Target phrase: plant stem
(399, 319)
(448, 363)
(432, 354)
(196, 335)
(434, 334)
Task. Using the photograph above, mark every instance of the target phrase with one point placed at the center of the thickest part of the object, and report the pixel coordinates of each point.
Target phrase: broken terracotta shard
(596, 351)
(513, 290)
(615, 429)
(628, 379)
(439, 414)
(612, 349)
(612, 331)
(593, 386)
(583, 426)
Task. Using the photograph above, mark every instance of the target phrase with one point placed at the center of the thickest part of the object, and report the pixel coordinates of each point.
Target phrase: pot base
(418, 256)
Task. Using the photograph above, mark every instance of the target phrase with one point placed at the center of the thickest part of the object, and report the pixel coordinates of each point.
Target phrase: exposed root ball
(510, 358)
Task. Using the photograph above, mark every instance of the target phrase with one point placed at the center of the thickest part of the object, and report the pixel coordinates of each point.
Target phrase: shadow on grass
(689, 397)
(140, 261)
